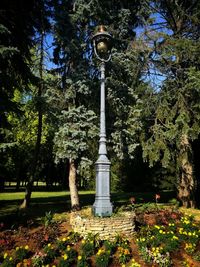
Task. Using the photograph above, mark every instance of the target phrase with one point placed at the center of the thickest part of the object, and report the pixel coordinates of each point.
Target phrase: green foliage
(48, 219)
(8, 263)
(38, 259)
(102, 258)
(196, 256)
(82, 261)
(109, 246)
(87, 247)
(22, 253)
(51, 253)
(174, 126)
(75, 132)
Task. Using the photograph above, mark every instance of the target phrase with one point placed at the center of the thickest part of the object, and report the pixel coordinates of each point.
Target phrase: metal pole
(102, 206)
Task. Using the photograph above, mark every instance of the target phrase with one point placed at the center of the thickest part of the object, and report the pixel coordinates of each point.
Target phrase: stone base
(106, 228)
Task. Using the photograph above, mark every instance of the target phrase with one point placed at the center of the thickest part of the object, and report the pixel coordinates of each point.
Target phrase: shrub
(87, 247)
(109, 246)
(51, 253)
(8, 261)
(38, 259)
(82, 261)
(22, 253)
(68, 258)
(102, 258)
(63, 242)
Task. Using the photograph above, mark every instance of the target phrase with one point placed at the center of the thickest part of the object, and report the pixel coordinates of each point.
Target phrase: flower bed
(174, 242)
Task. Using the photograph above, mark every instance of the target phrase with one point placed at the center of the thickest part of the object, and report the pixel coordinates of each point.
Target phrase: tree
(16, 31)
(175, 127)
(74, 24)
(43, 28)
(17, 27)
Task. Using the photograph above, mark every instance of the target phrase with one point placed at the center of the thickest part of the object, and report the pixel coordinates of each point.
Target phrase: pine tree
(75, 22)
(18, 21)
(175, 51)
(43, 29)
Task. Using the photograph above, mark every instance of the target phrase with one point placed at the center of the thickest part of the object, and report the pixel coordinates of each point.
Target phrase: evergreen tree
(175, 51)
(43, 29)
(17, 28)
(75, 22)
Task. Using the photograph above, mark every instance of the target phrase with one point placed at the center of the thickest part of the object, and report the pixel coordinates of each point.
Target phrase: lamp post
(102, 206)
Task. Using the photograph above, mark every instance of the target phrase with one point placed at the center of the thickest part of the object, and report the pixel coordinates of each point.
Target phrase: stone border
(106, 228)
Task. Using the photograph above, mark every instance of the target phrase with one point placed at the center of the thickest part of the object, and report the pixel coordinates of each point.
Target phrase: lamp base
(102, 206)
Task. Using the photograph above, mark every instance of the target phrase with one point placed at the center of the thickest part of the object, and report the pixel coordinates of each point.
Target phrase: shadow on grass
(10, 215)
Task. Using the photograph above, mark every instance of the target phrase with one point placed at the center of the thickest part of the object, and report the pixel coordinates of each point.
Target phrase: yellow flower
(68, 248)
(26, 247)
(11, 258)
(79, 257)
(161, 231)
(5, 255)
(49, 245)
(65, 256)
(64, 239)
(17, 248)
(83, 241)
(99, 252)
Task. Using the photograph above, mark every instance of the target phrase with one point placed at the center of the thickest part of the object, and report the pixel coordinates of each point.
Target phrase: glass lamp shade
(102, 42)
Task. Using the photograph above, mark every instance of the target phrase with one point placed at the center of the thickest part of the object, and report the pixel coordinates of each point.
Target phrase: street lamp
(102, 43)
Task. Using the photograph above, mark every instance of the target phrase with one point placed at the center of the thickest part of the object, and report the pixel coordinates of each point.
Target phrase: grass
(20, 195)
(59, 202)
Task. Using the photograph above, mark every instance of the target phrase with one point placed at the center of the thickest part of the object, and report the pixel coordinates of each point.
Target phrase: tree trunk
(26, 202)
(1, 183)
(73, 186)
(186, 186)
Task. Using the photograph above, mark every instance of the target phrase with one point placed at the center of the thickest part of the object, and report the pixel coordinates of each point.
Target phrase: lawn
(59, 201)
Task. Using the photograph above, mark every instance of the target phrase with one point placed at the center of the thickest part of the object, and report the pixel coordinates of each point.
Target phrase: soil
(37, 236)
